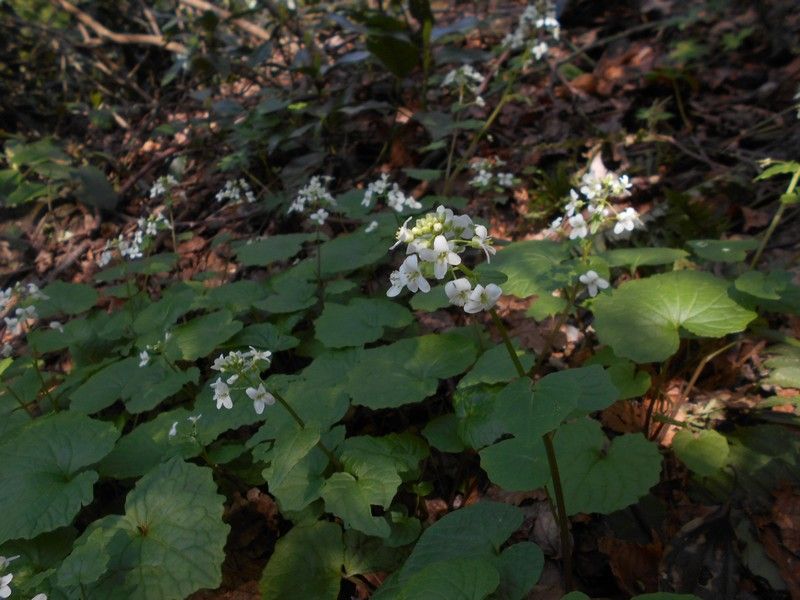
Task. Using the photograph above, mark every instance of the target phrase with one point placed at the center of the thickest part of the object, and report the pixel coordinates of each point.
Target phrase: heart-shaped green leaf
(359, 321)
(656, 308)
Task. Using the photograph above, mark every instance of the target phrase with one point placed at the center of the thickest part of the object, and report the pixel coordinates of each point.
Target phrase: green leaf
(347, 253)
(434, 300)
(94, 189)
(359, 321)
(395, 51)
(168, 544)
(641, 320)
(779, 168)
(728, 251)
(45, 479)
(603, 477)
(306, 564)
(442, 433)
(364, 554)
(704, 454)
(159, 316)
(629, 382)
(642, 257)
(34, 570)
(495, 366)
(474, 533)
(531, 267)
(288, 451)
(154, 383)
(236, 297)
(520, 566)
(457, 579)
(410, 369)
(263, 336)
(105, 387)
(478, 424)
(291, 292)
(784, 365)
(516, 465)
(265, 251)
(374, 469)
(66, 298)
(199, 337)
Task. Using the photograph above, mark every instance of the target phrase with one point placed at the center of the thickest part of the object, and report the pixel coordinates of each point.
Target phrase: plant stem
(320, 292)
(775, 220)
(335, 461)
(35, 362)
(552, 462)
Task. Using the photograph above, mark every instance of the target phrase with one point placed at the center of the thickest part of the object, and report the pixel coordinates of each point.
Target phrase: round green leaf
(520, 567)
(307, 563)
(199, 337)
(457, 579)
(642, 257)
(66, 299)
(642, 318)
(265, 251)
(705, 454)
(516, 465)
(530, 267)
(603, 477)
(358, 322)
(728, 251)
(45, 481)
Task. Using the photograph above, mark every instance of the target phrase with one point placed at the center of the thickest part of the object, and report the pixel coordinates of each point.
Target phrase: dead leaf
(635, 566)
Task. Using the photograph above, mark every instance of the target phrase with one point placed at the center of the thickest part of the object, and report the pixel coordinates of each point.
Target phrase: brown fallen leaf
(635, 566)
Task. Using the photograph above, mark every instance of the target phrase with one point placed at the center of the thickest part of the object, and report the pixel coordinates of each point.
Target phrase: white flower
(35, 293)
(398, 281)
(458, 291)
(222, 394)
(579, 228)
(483, 241)
(371, 227)
(5, 589)
(540, 50)
(593, 281)
(260, 397)
(232, 379)
(5, 297)
(573, 204)
(57, 326)
(7, 350)
(144, 358)
(255, 355)
(403, 234)
(320, 216)
(556, 224)
(442, 256)
(626, 220)
(481, 180)
(12, 325)
(104, 258)
(41, 596)
(505, 180)
(482, 298)
(413, 276)
(173, 431)
(5, 561)
(193, 419)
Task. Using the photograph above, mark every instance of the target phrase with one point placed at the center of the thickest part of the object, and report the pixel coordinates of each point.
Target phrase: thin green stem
(331, 456)
(53, 402)
(547, 439)
(320, 289)
(776, 219)
(452, 151)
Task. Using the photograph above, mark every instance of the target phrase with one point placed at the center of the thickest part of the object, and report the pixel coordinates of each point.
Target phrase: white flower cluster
(236, 191)
(314, 198)
(464, 78)
(23, 315)
(162, 186)
(433, 247)
(134, 247)
(591, 209)
(144, 355)
(245, 366)
(5, 580)
(485, 177)
(532, 21)
(382, 189)
(593, 282)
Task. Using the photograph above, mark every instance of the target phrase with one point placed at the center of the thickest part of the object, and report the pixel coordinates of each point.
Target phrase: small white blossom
(593, 282)
(193, 419)
(313, 195)
(540, 50)
(263, 355)
(458, 291)
(222, 394)
(35, 293)
(320, 216)
(13, 325)
(7, 560)
(144, 358)
(574, 203)
(7, 350)
(579, 227)
(104, 258)
(482, 298)
(505, 180)
(413, 276)
(173, 431)
(41, 596)
(5, 588)
(261, 398)
(397, 281)
(464, 76)
(5, 297)
(442, 256)
(57, 326)
(626, 220)
(162, 185)
(235, 192)
(371, 227)
(481, 180)
(483, 241)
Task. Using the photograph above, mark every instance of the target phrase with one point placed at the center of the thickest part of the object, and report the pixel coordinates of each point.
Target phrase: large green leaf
(35, 569)
(474, 533)
(105, 387)
(410, 369)
(374, 469)
(265, 251)
(531, 267)
(516, 465)
(456, 579)
(359, 321)
(520, 566)
(45, 472)
(642, 319)
(167, 545)
(149, 265)
(94, 188)
(705, 454)
(66, 298)
(495, 366)
(603, 477)
(784, 365)
(642, 257)
(723, 250)
(154, 383)
(199, 337)
(347, 253)
(307, 563)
